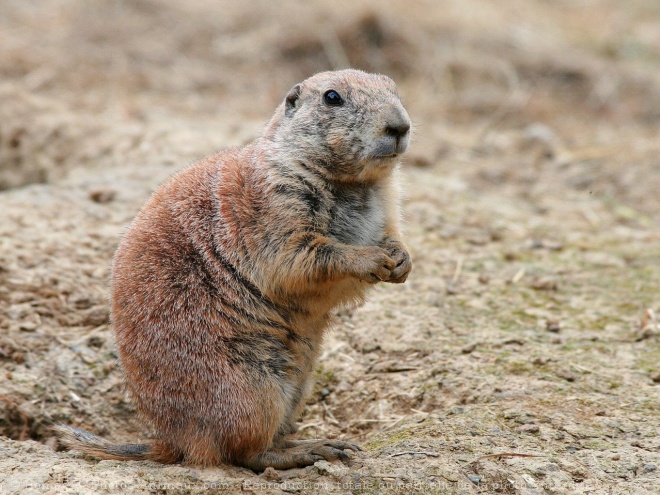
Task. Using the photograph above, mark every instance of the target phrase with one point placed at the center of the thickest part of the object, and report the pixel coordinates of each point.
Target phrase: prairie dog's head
(348, 122)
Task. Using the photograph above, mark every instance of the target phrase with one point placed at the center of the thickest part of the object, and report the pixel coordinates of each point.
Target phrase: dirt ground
(521, 357)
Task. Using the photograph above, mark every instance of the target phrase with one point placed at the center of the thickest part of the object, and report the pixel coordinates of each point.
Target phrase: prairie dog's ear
(291, 100)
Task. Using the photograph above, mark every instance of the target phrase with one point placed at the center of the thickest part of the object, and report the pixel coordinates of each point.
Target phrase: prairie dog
(226, 280)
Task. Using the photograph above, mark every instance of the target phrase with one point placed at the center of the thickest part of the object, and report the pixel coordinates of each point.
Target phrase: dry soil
(521, 357)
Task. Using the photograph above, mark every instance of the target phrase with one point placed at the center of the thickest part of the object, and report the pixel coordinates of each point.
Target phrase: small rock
(540, 133)
(545, 244)
(544, 469)
(566, 375)
(96, 316)
(474, 479)
(529, 481)
(370, 347)
(81, 301)
(511, 256)
(420, 161)
(511, 414)
(31, 323)
(343, 386)
(16, 312)
(541, 361)
(530, 428)
(544, 284)
(467, 349)
(337, 471)
(655, 376)
(479, 239)
(391, 366)
(443, 472)
(616, 457)
(95, 341)
(102, 195)
(649, 468)
(271, 474)
(28, 326)
(552, 326)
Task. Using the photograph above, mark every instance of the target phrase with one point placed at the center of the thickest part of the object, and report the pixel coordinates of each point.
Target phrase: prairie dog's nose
(397, 130)
(397, 125)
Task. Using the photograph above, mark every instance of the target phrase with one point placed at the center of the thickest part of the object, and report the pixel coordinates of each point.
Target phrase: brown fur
(224, 284)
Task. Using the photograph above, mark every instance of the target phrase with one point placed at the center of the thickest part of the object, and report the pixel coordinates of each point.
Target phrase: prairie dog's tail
(98, 447)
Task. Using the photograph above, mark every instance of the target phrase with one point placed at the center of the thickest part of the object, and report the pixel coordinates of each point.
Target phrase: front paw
(402, 261)
(373, 264)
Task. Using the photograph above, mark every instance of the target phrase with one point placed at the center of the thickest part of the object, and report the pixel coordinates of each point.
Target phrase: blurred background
(532, 210)
(558, 85)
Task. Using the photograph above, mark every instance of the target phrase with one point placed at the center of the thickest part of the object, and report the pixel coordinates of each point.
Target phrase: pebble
(474, 479)
(370, 347)
(544, 284)
(655, 377)
(565, 374)
(270, 474)
(531, 428)
(649, 468)
(102, 195)
(467, 349)
(552, 326)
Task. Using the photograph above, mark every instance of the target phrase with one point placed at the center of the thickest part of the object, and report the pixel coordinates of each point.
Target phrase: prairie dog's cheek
(336, 141)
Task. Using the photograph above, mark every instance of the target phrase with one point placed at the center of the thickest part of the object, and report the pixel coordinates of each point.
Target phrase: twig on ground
(430, 454)
(331, 417)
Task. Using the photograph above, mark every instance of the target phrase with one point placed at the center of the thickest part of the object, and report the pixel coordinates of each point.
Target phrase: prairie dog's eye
(332, 98)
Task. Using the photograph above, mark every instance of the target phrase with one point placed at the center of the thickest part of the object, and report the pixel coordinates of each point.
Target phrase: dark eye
(333, 98)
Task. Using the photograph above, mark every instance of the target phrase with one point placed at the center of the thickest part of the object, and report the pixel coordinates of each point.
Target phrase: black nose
(397, 130)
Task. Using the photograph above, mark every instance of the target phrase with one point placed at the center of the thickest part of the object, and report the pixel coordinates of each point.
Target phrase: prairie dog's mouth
(388, 148)
(383, 158)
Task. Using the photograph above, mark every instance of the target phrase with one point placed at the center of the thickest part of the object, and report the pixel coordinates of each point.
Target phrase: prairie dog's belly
(358, 217)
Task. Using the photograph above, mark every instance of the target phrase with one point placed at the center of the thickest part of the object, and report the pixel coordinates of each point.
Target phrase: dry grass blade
(649, 320)
(507, 454)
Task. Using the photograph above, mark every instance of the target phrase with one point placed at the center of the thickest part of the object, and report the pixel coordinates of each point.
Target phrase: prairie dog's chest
(358, 216)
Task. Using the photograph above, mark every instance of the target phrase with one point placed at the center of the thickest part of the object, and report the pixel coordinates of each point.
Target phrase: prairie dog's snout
(397, 126)
(394, 131)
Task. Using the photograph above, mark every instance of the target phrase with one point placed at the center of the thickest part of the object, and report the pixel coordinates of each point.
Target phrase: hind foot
(300, 453)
